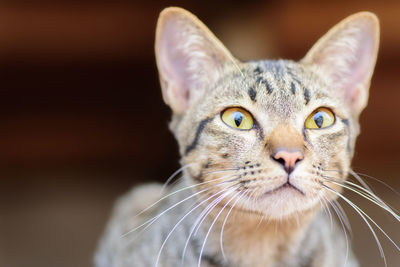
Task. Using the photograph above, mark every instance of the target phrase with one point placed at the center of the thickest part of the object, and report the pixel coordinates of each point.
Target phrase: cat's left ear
(189, 57)
(346, 57)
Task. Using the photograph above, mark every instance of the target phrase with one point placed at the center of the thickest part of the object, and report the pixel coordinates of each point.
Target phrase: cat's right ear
(188, 56)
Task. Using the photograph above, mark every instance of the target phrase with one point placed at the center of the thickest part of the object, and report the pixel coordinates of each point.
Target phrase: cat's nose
(287, 158)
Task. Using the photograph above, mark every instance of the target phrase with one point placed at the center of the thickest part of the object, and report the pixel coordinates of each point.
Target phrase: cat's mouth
(285, 186)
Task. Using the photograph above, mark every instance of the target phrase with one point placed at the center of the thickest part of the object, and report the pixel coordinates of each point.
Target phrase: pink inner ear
(360, 66)
(189, 58)
(354, 97)
(173, 61)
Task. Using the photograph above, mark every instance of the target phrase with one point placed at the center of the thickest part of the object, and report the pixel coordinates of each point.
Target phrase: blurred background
(82, 118)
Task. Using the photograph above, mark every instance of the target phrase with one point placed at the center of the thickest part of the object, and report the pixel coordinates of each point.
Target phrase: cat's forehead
(281, 87)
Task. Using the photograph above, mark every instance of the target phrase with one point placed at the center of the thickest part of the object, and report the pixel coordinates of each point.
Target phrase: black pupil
(238, 118)
(319, 119)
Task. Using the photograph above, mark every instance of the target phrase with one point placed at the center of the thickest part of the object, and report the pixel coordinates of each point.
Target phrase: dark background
(82, 118)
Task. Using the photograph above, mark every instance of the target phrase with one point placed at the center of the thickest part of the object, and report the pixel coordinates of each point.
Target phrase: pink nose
(287, 158)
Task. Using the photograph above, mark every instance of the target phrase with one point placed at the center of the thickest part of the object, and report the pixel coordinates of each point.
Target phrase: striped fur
(253, 220)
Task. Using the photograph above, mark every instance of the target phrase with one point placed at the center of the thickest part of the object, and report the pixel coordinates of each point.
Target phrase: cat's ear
(188, 56)
(346, 57)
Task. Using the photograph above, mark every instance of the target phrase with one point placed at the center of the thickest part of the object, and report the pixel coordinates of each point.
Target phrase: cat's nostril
(287, 158)
(280, 160)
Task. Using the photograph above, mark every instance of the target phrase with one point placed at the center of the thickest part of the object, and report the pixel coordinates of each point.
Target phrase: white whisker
(360, 180)
(344, 230)
(173, 176)
(379, 181)
(183, 189)
(182, 218)
(324, 204)
(202, 214)
(152, 220)
(207, 210)
(369, 196)
(212, 224)
(344, 216)
(221, 237)
(363, 216)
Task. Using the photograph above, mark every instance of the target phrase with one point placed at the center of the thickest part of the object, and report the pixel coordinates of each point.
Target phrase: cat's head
(270, 136)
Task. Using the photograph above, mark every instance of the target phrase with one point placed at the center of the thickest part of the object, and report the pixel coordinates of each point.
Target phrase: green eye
(238, 118)
(320, 118)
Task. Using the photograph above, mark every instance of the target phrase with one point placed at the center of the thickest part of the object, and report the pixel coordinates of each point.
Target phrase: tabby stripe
(293, 88)
(334, 136)
(257, 70)
(199, 178)
(267, 86)
(347, 123)
(307, 95)
(199, 130)
(306, 137)
(259, 80)
(211, 260)
(260, 133)
(297, 81)
(252, 93)
(294, 77)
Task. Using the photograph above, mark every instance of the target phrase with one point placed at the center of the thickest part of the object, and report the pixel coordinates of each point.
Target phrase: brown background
(82, 120)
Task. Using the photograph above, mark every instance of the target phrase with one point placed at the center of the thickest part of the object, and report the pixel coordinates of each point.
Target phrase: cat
(265, 146)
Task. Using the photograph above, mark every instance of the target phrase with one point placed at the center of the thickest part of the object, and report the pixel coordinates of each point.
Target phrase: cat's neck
(247, 236)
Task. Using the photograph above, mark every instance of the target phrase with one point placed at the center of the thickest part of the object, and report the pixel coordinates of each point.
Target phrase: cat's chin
(284, 202)
(284, 187)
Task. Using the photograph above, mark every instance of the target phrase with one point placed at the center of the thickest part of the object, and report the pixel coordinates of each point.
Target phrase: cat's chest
(244, 246)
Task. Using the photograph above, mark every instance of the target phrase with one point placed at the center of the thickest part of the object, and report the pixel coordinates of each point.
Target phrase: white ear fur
(346, 57)
(188, 57)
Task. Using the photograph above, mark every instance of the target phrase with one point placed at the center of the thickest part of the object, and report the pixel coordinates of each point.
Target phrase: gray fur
(270, 217)
(319, 246)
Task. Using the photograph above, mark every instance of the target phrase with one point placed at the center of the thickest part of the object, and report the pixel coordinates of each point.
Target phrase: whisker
(363, 216)
(202, 214)
(221, 237)
(371, 192)
(344, 230)
(365, 190)
(383, 232)
(262, 216)
(207, 211)
(221, 170)
(186, 188)
(326, 208)
(185, 167)
(344, 217)
(363, 183)
(379, 181)
(369, 196)
(212, 224)
(173, 176)
(182, 218)
(377, 199)
(360, 180)
(152, 220)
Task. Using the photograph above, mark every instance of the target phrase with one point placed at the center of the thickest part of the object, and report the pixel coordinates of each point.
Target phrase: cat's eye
(237, 118)
(320, 118)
